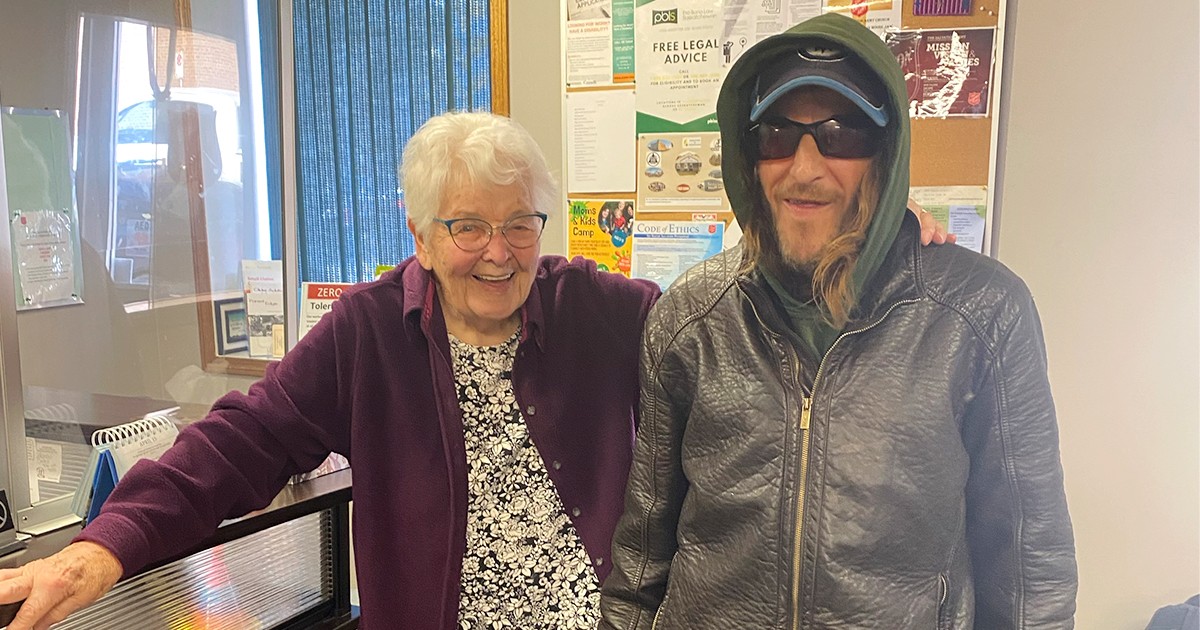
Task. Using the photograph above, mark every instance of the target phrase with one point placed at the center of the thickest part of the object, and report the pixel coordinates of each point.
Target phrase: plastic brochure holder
(114, 451)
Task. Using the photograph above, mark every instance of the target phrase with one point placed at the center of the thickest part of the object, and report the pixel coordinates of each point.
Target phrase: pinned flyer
(262, 284)
(600, 231)
(317, 300)
(663, 250)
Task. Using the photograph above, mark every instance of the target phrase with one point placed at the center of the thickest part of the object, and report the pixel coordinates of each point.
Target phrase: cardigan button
(599, 562)
(530, 410)
(576, 511)
(557, 465)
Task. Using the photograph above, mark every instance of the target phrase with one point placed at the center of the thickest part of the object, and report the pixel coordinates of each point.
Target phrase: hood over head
(836, 52)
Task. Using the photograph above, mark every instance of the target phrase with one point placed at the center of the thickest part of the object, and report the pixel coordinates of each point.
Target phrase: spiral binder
(114, 451)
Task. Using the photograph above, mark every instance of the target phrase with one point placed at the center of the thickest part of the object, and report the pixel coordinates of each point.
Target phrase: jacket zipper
(805, 421)
(658, 613)
(944, 592)
(805, 436)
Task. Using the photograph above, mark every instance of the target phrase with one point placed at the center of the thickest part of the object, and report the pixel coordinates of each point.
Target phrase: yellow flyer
(600, 231)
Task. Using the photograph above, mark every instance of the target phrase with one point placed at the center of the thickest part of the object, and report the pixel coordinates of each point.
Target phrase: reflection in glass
(179, 106)
(165, 103)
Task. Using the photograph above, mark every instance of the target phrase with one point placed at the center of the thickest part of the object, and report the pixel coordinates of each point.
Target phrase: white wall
(535, 91)
(1100, 215)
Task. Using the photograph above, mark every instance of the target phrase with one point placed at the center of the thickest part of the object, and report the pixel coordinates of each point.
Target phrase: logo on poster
(667, 16)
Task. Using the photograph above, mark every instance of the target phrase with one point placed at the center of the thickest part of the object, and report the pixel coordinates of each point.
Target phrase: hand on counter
(57, 586)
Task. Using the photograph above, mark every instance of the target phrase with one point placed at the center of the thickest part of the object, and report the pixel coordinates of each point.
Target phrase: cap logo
(822, 53)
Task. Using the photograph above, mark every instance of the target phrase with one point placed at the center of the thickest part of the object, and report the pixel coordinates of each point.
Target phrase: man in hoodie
(839, 428)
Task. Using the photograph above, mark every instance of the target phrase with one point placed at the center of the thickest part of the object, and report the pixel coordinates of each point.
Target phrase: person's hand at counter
(57, 586)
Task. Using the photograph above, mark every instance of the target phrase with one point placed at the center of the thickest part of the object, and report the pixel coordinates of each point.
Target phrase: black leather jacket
(912, 480)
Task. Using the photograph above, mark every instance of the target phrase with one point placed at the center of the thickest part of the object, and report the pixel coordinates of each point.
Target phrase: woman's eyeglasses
(472, 235)
(778, 138)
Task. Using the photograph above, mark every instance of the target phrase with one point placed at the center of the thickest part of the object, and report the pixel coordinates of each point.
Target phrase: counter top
(292, 502)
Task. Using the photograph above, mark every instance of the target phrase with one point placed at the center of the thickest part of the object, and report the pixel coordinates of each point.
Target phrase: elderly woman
(489, 472)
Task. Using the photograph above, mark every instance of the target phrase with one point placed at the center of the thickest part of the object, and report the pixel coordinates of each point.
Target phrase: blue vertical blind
(368, 74)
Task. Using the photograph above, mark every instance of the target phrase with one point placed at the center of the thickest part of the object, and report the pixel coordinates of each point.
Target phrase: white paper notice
(663, 250)
(45, 256)
(747, 23)
(733, 234)
(880, 16)
(962, 209)
(599, 125)
(967, 223)
(262, 282)
(44, 462)
(589, 52)
(317, 299)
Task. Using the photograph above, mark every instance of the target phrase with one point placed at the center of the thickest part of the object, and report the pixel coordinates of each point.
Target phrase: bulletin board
(640, 90)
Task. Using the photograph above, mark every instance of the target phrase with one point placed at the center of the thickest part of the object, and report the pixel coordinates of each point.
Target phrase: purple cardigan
(373, 381)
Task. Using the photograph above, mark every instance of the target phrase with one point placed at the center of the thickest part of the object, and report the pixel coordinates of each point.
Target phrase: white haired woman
(489, 472)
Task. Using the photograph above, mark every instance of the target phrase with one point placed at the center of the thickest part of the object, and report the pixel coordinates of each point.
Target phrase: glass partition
(163, 105)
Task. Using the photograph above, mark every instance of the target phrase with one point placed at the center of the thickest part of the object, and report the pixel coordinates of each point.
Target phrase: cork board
(955, 151)
(948, 150)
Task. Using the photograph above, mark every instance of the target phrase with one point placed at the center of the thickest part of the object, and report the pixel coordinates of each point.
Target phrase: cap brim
(878, 115)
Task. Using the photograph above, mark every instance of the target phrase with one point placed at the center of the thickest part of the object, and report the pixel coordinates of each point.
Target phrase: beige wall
(535, 92)
(1100, 216)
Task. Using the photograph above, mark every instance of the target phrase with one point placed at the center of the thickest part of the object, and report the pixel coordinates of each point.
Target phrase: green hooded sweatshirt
(810, 326)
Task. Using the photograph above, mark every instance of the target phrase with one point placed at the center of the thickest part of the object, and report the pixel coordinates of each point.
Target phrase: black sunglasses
(778, 138)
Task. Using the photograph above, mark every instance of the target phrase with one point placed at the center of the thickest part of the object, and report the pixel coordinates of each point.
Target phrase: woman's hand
(931, 230)
(57, 586)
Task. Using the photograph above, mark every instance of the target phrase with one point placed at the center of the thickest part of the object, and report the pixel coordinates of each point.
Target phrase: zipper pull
(805, 412)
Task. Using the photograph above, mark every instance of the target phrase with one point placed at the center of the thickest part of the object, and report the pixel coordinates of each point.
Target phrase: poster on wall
(663, 250)
(600, 231)
(679, 64)
(746, 23)
(588, 9)
(948, 72)
(589, 52)
(596, 160)
(680, 172)
(599, 43)
(880, 16)
(686, 47)
(941, 7)
(962, 209)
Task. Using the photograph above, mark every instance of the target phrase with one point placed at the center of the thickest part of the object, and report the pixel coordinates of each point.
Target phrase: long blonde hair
(832, 277)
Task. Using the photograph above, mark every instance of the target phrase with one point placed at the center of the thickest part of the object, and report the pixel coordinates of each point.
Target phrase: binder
(114, 451)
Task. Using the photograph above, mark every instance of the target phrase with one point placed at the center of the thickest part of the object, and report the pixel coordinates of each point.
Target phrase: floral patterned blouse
(525, 566)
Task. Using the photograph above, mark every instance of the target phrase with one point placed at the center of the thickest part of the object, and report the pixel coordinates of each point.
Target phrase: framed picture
(230, 326)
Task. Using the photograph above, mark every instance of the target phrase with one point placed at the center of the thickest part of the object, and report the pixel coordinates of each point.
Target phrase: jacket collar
(420, 301)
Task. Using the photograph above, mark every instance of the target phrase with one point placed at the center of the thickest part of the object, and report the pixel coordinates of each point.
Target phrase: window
(368, 74)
